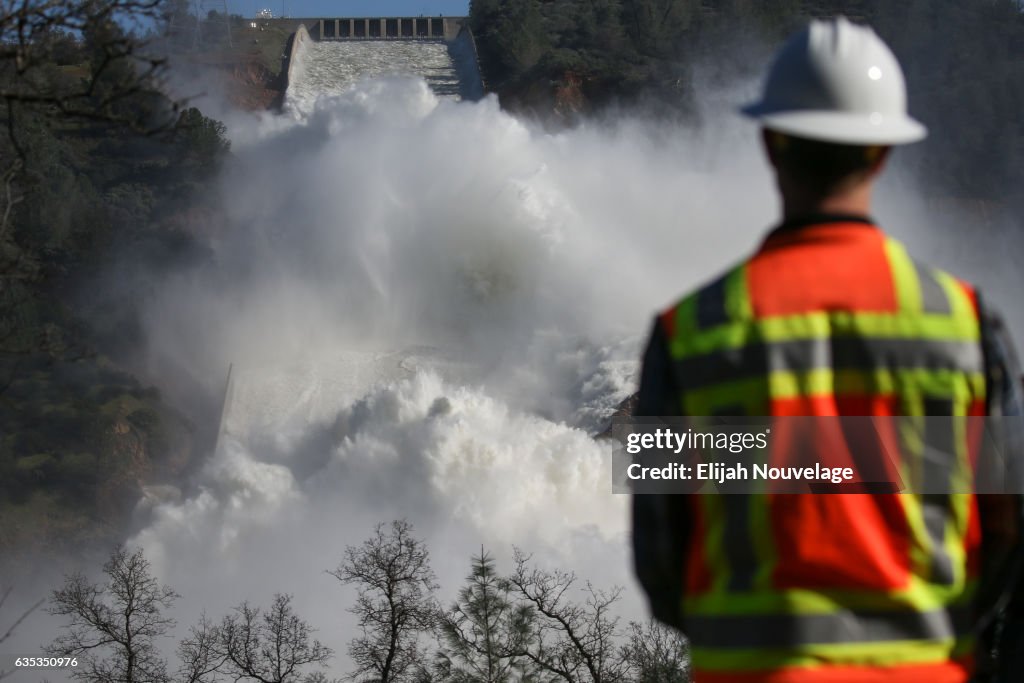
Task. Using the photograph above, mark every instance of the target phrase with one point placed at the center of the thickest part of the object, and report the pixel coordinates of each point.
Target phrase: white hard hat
(837, 82)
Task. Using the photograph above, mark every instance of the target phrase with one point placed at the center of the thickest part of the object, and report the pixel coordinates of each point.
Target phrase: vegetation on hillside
(245, 55)
(95, 164)
(962, 61)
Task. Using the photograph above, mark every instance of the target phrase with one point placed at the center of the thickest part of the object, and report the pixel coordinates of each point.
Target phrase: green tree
(120, 67)
(482, 632)
(519, 35)
(656, 27)
(205, 137)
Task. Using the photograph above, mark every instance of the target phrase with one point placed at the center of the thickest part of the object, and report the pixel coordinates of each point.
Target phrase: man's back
(830, 317)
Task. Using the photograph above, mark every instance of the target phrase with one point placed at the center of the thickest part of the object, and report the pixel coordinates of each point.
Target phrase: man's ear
(878, 157)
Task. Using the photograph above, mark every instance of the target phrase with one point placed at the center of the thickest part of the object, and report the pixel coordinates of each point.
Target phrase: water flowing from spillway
(333, 67)
(430, 307)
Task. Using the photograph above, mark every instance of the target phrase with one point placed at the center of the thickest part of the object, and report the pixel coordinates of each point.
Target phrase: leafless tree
(275, 646)
(574, 641)
(656, 653)
(395, 603)
(200, 655)
(113, 629)
(15, 624)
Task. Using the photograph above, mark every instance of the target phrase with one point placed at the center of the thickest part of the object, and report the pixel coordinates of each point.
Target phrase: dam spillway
(332, 67)
(387, 27)
(325, 67)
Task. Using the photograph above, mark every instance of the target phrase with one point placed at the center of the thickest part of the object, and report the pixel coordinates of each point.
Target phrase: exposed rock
(624, 409)
(244, 79)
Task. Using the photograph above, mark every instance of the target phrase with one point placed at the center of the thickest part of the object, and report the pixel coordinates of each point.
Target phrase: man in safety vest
(829, 317)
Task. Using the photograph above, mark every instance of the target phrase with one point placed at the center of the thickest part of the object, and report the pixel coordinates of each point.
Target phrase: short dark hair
(821, 167)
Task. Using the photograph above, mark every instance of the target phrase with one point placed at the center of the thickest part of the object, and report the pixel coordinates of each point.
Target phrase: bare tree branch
(113, 629)
(15, 624)
(123, 65)
(575, 641)
(275, 646)
(200, 654)
(395, 601)
(656, 653)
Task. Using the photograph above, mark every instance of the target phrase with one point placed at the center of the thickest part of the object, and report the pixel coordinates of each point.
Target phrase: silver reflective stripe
(936, 508)
(938, 463)
(776, 631)
(933, 296)
(839, 353)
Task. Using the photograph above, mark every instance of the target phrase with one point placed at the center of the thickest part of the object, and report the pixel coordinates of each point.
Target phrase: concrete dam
(443, 27)
(327, 56)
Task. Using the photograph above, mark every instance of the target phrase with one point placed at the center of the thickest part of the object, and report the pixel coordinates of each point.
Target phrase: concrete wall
(461, 45)
(463, 53)
(375, 28)
(297, 40)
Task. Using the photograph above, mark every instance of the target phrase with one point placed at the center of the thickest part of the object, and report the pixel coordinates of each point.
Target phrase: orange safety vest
(830, 319)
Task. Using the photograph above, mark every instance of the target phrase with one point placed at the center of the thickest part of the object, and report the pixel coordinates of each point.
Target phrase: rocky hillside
(81, 440)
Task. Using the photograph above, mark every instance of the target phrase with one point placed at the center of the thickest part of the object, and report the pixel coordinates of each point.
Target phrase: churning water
(333, 67)
(431, 307)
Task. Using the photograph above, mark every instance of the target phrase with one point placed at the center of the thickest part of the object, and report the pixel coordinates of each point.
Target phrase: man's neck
(853, 202)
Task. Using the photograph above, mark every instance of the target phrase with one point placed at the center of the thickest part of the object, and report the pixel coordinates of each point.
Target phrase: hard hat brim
(840, 127)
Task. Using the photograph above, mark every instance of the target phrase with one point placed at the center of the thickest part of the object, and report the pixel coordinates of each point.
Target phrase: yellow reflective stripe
(904, 276)
(963, 308)
(935, 552)
(738, 546)
(684, 321)
(919, 595)
(834, 353)
(748, 396)
(794, 384)
(715, 304)
(738, 305)
(728, 530)
(752, 393)
(688, 342)
(734, 324)
(892, 653)
(956, 531)
(921, 543)
(909, 290)
(739, 549)
(950, 543)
